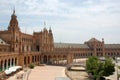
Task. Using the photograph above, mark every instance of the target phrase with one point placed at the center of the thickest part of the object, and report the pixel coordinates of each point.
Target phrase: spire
(13, 24)
(14, 11)
(103, 40)
(44, 24)
(50, 30)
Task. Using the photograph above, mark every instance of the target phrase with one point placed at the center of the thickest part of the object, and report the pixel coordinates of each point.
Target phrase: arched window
(32, 58)
(28, 59)
(24, 60)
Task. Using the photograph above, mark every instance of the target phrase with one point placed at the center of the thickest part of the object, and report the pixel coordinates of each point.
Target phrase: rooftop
(70, 45)
(112, 45)
(93, 40)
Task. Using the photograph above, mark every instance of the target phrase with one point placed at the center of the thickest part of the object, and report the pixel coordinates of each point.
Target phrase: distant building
(17, 48)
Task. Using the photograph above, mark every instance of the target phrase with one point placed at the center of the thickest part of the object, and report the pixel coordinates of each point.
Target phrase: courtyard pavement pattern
(43, 73)
(47, 73)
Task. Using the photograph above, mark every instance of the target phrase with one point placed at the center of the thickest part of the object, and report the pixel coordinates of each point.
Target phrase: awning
(12, 69)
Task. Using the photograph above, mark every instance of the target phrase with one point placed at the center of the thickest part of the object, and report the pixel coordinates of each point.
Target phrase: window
(37, 48)
(23, 48)
(16, 39)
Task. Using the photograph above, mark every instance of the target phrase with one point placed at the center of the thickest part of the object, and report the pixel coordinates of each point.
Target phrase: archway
(12, 62)
(28, 59)
(64, 59)
(35, 58)
(54, 59)
(49, 59)
(32, 59)
(45, 59)
(40, 59)
(1, 65)
(37, 48)
(5, 64)
(60, 59)
(15, 61)
(9, 63)
(24, 60)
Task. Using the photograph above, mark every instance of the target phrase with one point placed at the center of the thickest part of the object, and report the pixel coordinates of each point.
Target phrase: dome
(13, 20)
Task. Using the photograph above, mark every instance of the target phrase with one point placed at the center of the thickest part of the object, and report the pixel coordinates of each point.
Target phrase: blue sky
(73, 21)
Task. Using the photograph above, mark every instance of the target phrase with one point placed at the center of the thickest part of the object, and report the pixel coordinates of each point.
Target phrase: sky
(72, 21)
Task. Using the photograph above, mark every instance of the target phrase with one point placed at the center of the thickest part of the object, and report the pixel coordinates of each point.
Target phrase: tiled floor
(43, 73)
(47, 73)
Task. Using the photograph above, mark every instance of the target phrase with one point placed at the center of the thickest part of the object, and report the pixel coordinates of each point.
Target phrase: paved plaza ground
(43, 73)
(47, 73)
(78, 75)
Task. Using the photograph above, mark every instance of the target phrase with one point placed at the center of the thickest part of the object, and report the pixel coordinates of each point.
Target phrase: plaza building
(18, 48)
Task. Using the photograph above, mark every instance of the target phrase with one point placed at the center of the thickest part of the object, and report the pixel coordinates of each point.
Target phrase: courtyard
(46, 72)
(51, 72)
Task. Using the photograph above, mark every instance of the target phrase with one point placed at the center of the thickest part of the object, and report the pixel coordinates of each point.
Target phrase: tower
(51, 40)
(96, 46)
(13, 25)
(13, 28)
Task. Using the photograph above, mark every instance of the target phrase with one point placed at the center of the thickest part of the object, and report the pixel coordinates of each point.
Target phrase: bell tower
(13, 25)
(13, 28)
(51, 40)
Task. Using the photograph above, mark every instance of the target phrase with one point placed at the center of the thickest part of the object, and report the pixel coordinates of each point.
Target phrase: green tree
(98, 68)
(95, 67)
(108, 67)
(31, 66)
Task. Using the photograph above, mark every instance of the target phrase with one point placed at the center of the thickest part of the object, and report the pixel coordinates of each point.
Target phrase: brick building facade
(17, 48)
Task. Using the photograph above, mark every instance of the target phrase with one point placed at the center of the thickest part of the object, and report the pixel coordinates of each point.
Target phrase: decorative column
(10, 63)
(7, 64)
(3, 66)
(0, 66)
(14, 62)
(47, 59)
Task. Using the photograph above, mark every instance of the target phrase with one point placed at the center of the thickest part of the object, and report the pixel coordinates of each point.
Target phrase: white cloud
(82, 19)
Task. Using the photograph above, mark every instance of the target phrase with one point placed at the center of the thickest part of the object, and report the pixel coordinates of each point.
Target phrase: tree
(31, 66)
(98, 68)
(95, 67)
(108, 67)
